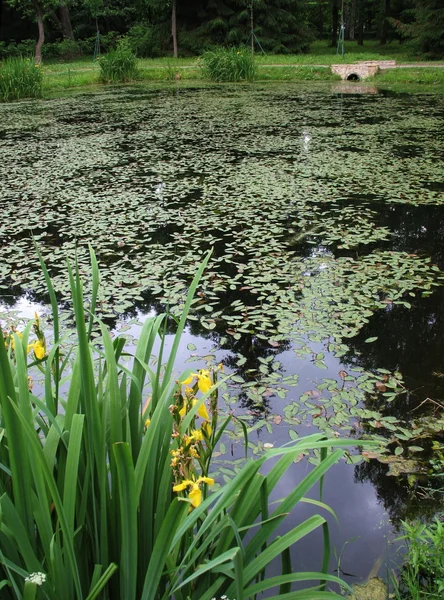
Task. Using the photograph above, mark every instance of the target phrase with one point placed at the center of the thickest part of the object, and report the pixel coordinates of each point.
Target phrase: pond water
(324, 212)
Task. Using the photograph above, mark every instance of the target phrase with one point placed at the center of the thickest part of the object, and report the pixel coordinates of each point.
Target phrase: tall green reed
(422, 573)
(119, 65)
(104, 487)
(230, 64)
(19, 78)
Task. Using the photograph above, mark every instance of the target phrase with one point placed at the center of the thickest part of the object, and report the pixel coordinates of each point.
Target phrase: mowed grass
(296, 73)
(321, 53)
(421, 75)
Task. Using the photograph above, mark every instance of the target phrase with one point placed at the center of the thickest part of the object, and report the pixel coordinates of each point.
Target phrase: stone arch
(353, 77)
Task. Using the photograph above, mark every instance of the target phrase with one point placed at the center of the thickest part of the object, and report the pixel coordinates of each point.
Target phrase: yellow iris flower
(201, 411)
(195, 494)
(203, 380)
(39, 349)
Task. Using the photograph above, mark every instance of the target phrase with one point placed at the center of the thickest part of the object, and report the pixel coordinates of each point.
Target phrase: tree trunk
(361, 7)
(385, 24)
(351, 17)
(320, 19)
(65, 21)
(174, 27)
(41, 38)
(335, 22)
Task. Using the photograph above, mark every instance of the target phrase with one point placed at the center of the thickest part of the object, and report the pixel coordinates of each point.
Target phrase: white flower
(37, 578)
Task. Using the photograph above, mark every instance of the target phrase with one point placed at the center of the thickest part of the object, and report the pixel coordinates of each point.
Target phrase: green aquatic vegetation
(290, 199)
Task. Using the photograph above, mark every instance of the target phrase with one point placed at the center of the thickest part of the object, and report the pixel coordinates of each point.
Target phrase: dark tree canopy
(424, 25)
(188, 27)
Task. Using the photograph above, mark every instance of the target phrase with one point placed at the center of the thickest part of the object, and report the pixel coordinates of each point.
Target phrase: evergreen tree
(279, 25)
(426, 26)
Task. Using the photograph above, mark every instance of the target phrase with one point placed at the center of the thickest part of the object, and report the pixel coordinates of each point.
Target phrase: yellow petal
(189, 379)
(183, 410)
(39, 350)
(204, 383)
(208, 480)
(195, 496)
(182, 486)
(207, 429)
(202, 411)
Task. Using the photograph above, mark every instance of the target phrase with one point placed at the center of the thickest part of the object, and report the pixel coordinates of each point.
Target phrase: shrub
(119, 65)
(24, 48)
(20, 78)
(230, 64)
(96, 477)
(66, 50)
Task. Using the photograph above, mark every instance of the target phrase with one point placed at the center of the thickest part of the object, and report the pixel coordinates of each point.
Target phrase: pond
(323, 207)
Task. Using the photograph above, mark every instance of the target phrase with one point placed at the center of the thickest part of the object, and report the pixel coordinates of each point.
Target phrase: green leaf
(128, 521)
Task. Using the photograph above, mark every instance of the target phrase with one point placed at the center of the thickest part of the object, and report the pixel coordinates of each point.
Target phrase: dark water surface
(325, 213)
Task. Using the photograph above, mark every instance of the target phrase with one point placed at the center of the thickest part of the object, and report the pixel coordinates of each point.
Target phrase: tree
(385, 21)
(361, 19)
(37, 10)
(334, 22)
(65, 21)
(426, 26)
(174, 26)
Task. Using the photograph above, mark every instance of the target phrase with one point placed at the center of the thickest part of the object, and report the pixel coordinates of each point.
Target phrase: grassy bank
(69, 76)
(60, 76)
(419, 76)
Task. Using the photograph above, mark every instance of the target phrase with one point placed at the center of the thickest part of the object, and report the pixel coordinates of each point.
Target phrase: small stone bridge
(362, 70)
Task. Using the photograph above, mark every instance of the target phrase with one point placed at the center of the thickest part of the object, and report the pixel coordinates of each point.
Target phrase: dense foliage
(156, 27)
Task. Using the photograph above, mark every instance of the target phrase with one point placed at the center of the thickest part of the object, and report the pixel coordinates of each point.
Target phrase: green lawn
(321, 53)
(291, 67)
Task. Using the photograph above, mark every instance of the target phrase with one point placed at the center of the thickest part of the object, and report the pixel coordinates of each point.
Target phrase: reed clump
(230, 64)
(119, 65)
(20, 78)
